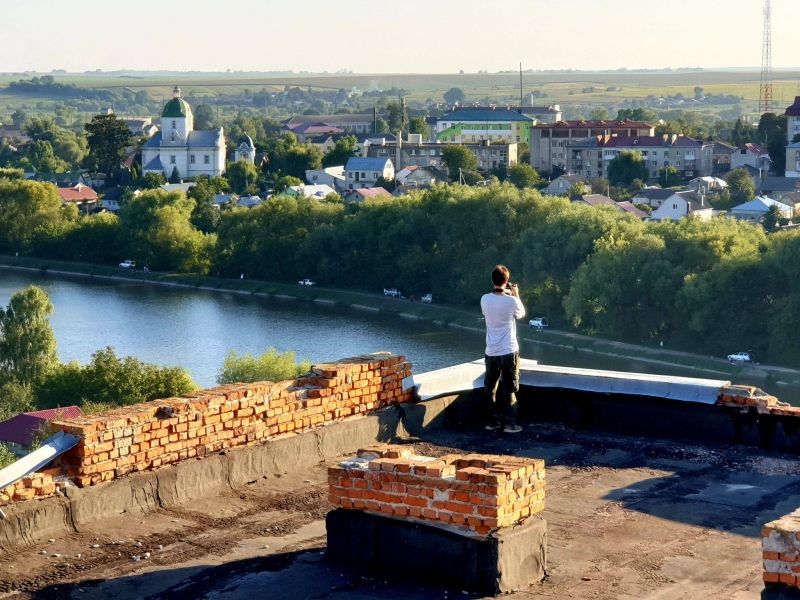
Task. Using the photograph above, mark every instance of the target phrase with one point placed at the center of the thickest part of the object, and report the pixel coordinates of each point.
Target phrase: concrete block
(508, 560)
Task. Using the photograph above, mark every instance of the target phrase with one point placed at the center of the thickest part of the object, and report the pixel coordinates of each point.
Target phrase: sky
(375, 36)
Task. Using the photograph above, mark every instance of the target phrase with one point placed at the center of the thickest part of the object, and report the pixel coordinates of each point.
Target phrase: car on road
(392, 292)
(740, 357)
(538, 323)
(127, 264)
(427, 298)
(307, 282)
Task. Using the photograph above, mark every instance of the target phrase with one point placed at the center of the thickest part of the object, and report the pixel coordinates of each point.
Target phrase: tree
(203, 117)
(740, 185)
(27, 343)
(243, 176)
(270, 366)
(39, 156)
(344, 149)
(599, 114)
(153, 180)
(111, 381)
(742, 134)
(625, 167)
(772, 133)
(175, 176)
(459, 160)
(419, 125)
(698, 92)
(454, 96)
(19, 118)
(637, 114)
(27, 209)
(578, 190)
(772, 219)
(108, 138)
(523, 175)
(668, 177)
(284, 183)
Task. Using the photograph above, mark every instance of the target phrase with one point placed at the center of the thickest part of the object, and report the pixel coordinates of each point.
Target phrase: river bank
(767, 376)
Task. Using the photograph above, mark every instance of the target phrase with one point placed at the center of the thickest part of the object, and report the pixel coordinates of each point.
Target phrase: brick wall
(149, 435)
(781, 550)
(475, 491)
(36, 485)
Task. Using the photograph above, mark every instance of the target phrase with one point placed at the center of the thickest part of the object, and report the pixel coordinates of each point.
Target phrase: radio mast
(765, 93)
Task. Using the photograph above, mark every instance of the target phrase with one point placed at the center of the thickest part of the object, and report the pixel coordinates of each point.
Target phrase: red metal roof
(79, 193)
(23, 428)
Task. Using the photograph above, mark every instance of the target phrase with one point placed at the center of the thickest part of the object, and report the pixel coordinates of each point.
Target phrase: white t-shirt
(501, 313)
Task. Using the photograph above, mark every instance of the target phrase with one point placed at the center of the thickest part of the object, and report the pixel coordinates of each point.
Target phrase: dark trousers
(501, 402)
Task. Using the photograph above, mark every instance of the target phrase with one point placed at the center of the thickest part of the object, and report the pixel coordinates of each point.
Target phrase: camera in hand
(509, 288)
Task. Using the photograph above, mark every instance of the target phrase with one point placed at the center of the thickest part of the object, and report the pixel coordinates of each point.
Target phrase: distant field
(562, 88)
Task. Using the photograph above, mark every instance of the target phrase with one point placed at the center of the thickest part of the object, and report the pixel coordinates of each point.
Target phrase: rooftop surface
(627, 517)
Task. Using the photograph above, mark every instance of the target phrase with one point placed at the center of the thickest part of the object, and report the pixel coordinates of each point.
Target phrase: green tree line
(710, 285)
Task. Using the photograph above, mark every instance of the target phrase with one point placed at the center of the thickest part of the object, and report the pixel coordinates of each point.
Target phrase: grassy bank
(432, 313)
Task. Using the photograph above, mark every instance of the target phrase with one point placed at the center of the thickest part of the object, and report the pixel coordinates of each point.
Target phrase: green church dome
(177, 107)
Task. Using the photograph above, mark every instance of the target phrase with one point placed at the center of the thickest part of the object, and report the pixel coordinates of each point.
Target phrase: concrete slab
(742, 489)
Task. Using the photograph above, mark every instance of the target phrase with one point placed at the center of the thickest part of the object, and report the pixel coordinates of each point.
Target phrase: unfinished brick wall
(36, 485)
(149, 435)
(746, 397)
(781, 550)
(479, 492)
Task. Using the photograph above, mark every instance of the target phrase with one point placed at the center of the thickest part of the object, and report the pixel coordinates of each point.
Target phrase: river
(196, 329)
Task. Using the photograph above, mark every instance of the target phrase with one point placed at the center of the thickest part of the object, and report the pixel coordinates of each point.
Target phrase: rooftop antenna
(765, 93)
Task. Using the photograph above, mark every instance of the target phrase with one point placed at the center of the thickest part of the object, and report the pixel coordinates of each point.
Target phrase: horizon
(448, 39)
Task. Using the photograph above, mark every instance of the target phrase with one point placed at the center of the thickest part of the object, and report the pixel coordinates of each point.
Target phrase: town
(479, 307)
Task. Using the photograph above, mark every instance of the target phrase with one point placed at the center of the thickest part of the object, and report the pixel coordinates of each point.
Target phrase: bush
(270, 366)
(6, 456)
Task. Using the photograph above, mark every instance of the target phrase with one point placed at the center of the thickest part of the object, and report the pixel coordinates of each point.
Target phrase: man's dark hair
(500, 275)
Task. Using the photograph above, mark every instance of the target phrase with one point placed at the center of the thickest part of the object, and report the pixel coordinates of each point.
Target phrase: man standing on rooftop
(501, 308)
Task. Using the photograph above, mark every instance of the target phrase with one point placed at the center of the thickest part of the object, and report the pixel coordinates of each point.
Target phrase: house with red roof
(83, 196)
(362, 194)
(20, 432)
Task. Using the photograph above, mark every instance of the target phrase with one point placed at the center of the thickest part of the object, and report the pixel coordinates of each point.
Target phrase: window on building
(207, 159)
(191, 158)
(173, 124)
(172, 159)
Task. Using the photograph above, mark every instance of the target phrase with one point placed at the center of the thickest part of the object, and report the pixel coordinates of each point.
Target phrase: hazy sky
(425, 36)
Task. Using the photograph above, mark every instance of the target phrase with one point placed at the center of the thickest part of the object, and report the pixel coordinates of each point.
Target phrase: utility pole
(765, 92)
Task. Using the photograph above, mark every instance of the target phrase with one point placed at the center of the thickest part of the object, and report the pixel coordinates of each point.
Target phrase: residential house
(707, 185)
(21, 431)
(326, 143)
(754, 155)
(361, 194)
(777, 187)
(142, 127)
(178, 187)
(332, 176)
(551, 143)
(360, 123)
(755, 210)
(561, 185)
(221, 200)
(652, 196)
(681, 205)
(316, 191)
(543, 114)
(420, 177)
(721, 155)
(792, 132)
(13, 135)
(112, 199)
(249, 201)
(69, 179)
(596, 200)
(245, 150)
(365, 172)
(309, 131)
(82, 196)
(479, 124)
(631, 209)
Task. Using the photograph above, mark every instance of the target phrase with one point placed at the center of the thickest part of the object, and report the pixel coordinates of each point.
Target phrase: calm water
(195, 330)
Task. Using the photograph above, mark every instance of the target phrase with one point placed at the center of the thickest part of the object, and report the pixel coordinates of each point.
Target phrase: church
(177, 146)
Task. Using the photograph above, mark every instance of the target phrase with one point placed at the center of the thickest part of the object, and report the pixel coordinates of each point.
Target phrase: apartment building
(692, 158)
(793, 131)
(416, 152)
(484, 124)
(551, 143)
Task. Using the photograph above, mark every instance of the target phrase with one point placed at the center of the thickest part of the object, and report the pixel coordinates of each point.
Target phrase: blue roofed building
(362, 172)
(755, 210)
(178, 147)
(478, 124)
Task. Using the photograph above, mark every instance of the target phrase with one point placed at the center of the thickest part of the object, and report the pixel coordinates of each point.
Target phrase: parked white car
(538, 323)
(307, 282)
(427, 298)
(392, 292)
(127, 264)
(740, 357)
